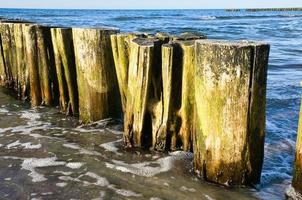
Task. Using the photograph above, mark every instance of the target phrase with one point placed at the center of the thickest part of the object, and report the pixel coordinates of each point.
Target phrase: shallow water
(49, 156)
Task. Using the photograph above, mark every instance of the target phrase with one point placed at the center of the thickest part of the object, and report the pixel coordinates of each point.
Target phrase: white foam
(8, 179)
(81, 150)
(185, 189)
(100, 181)
(123, 192)
(27, 145)
(3, 110)
(31, 163)
(152, 168)
(111, 146)
(155, 198)
(63, 184)
(208, 17)
(74, 165)
(208, 197)
(62, 172)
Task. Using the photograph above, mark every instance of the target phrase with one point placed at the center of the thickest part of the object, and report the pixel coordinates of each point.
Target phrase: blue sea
(46, 155)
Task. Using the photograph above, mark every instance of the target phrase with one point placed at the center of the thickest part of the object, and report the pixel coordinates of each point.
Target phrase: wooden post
(121, 52)
(139, 81)
(66, 70)
(32, 62)
(13, 70)
(8, 50)
(22, 82)
(160, 98)
(96, 76)
(230, 85)
(46, 70)
(178, 65)
(297, 180)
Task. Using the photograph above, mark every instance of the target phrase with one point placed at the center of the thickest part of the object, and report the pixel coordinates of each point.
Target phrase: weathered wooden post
(66, 70)
(230, 92)
(13, 70)
(160, 93)
(96, 76)
(21, 83)
(8, 51)
(297, 180)
(121, 53)
(178, 65)
(41, 68)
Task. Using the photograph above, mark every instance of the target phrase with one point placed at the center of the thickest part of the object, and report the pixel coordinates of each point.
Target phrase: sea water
(46, 155)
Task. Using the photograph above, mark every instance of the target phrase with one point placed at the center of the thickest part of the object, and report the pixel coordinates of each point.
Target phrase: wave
(132, 18)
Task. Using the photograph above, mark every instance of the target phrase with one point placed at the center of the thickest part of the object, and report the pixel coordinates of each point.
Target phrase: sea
(47, 155)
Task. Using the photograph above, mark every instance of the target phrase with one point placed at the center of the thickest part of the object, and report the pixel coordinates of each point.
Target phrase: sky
(149, 4)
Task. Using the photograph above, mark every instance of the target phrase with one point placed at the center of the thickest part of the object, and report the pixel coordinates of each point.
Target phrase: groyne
(262, 9)
(181, 92)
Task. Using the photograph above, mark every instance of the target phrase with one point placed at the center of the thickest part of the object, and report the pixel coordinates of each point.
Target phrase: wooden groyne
(272, 9)
(181, 92)
(263, 9)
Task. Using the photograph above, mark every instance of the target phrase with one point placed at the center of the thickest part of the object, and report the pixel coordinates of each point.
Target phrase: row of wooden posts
(173, 92)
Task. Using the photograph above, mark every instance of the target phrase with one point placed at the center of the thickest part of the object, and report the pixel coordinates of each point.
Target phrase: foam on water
(152, 168)
(31, 164)
(111, 146)
(26, 145)
(74, 165)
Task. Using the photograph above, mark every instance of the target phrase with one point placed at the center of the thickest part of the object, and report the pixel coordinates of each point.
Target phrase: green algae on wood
(65, 69)
(41, 69)
(160, 98)
(178, 65)
(230, 85)
(32, 63)
(297, 180)
(121, 53)
(139, 80)
(96, 76)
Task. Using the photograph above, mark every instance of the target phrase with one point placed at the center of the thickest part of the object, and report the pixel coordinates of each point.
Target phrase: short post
(230, 93)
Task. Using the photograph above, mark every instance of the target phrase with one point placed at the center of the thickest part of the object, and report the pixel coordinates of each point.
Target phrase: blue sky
(148, 4)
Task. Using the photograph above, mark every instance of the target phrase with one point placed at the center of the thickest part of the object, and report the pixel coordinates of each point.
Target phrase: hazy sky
(145, 4)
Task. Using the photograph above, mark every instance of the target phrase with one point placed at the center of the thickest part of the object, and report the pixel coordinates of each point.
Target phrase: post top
(230, 43)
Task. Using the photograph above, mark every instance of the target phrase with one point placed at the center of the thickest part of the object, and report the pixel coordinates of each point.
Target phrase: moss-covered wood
(160, 98)
(230, 85)
(121, 53)
(46, 67)
(33, 65)
(96, 76)
(22, 81)
(297, 180)
(13, 70)
(8, 51)
(178, 96)
(139, 81)
(65, 69)
(40, 63)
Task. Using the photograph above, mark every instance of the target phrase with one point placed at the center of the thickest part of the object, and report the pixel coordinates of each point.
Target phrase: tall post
(65, 69)
(230, 93)
(96, 76)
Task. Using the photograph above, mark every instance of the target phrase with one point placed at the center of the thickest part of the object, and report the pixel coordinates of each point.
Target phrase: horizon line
(230, 8)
